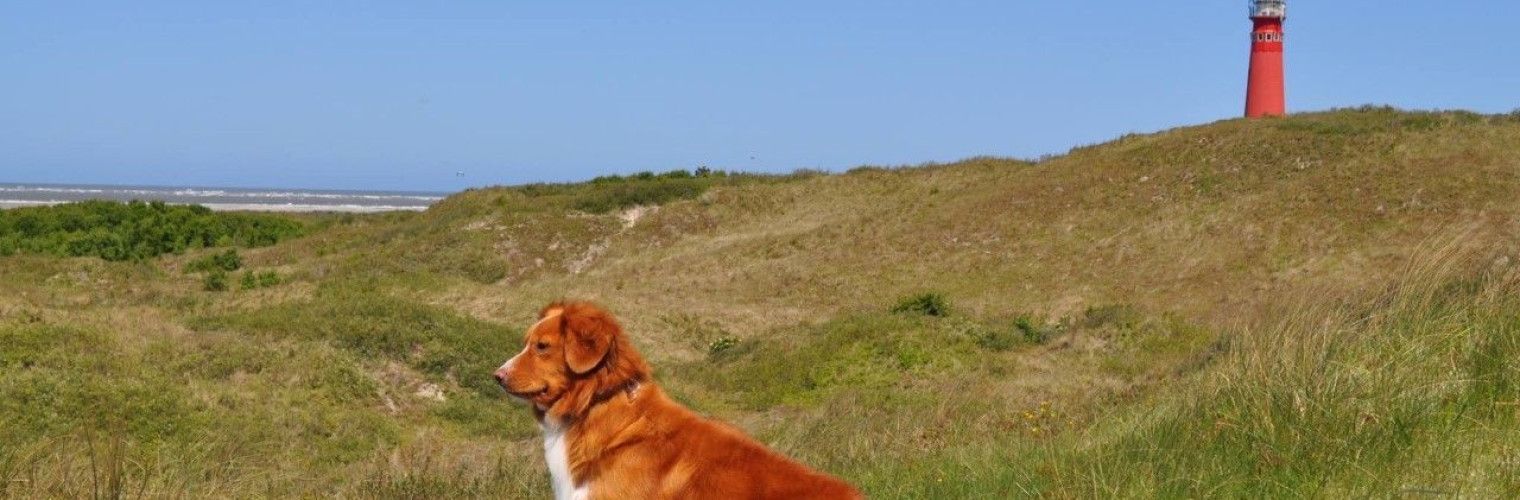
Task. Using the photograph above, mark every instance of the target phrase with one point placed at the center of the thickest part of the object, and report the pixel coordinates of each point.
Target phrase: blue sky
(402, 94)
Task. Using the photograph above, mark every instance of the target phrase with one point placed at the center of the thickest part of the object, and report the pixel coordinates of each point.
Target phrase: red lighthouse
(1264, 90)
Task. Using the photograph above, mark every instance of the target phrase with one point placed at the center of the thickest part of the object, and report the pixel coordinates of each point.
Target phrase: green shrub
(254, 280)
(227, 261)
(640, 191)
(927, 304)
(215, 281)
(1030, 331)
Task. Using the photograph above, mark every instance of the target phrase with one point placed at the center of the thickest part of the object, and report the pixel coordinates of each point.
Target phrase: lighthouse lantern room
(1273, 9)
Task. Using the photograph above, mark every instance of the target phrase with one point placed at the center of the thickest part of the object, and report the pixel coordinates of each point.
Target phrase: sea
(13, 195)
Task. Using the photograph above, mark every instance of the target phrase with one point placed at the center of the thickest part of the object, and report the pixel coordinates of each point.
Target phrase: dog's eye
(541, 346)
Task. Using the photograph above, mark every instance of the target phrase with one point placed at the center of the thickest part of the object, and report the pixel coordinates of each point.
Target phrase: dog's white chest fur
(558, 458)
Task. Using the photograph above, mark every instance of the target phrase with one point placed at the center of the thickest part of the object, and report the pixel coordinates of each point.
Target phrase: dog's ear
(589, 334)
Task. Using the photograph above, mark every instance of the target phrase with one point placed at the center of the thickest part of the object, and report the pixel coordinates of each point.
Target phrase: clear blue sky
(401, 94)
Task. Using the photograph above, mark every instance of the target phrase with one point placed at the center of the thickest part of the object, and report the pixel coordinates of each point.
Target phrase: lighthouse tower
(1264, 90)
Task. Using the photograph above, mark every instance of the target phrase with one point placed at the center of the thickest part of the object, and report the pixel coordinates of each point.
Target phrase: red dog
(610, 432)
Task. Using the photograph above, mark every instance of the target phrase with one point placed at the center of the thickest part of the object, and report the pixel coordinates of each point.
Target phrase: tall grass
(1412, 393)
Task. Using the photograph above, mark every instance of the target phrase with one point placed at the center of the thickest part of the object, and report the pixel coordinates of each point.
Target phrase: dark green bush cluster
(613, 192)
(608, 197)
(133, 231)
(651, 176)
(927, 304)
(216, 266)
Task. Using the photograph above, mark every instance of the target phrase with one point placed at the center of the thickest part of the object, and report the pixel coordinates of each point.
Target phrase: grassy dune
(1319, 306)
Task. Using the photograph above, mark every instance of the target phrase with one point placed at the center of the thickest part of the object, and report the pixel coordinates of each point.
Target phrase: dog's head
(575, 355)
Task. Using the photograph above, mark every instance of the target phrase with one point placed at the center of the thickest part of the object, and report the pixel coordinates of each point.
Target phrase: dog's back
(707, 459)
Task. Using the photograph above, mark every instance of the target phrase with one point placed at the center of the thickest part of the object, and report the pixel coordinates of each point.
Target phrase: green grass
(373, 325)
(1317, 306)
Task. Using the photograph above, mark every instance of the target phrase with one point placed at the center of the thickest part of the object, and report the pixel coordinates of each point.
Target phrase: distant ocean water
(14, 195)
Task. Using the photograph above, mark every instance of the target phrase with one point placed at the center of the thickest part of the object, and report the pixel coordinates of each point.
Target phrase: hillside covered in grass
(1322, 305)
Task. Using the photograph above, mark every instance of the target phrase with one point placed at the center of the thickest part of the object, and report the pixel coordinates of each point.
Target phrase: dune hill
(1200, 220)
(1315, 305)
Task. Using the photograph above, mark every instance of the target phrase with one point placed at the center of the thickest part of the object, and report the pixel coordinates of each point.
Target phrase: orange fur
(623, 437)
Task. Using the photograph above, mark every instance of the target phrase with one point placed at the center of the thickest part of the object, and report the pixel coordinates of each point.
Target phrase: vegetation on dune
(615, 192)
(263, 279)
(215, 281)
(376, 326)
(226, 261)
(485, 235)
(1242, 309)
(134, 231)
(1412, 395)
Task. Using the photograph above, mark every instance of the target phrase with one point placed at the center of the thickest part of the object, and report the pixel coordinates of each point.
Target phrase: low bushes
(134, 231)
